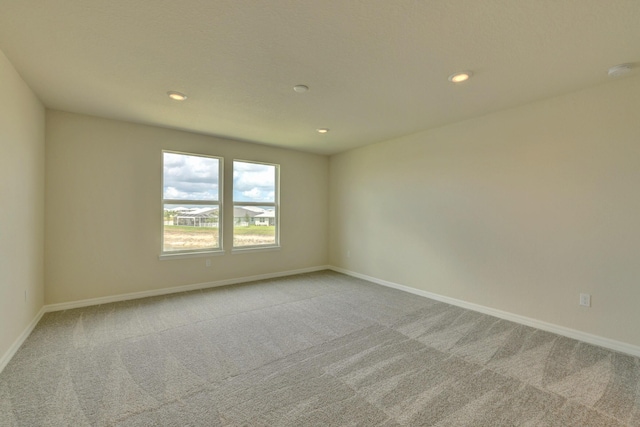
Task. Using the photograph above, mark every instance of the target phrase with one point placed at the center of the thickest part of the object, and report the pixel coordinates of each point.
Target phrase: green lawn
(254, 230)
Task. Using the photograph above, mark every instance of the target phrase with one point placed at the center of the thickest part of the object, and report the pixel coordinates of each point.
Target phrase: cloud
(188, 177)
(253, 182)
(191, 177)
(254, 193)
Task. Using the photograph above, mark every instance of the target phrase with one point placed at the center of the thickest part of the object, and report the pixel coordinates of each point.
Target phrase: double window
(192, 200)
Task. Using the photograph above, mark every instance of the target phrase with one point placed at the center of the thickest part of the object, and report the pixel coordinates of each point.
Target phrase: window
(191, 203)
(255, 204)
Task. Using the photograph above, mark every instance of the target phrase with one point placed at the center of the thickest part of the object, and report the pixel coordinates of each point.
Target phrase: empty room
(320, 213)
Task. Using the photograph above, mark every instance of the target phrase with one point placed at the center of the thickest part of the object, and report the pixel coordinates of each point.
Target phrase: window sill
(181, 255)
(237, 251)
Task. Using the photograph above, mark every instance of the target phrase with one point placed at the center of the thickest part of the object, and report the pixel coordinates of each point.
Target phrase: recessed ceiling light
(301, 88)
(322, 130)
(620, 70)
(176, 96)
(460, 77)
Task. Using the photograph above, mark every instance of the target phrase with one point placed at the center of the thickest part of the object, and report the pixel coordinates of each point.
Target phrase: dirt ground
(179, 240)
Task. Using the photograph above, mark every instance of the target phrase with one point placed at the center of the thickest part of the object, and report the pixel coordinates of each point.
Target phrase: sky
(253, 182)
(188, 177)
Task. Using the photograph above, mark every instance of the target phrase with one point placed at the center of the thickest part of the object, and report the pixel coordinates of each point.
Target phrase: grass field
(185, 238)
(255, 230)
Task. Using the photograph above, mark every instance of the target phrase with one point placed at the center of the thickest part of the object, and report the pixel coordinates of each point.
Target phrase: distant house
(265, 218)
(245, 215)
(208, 217)
(201, 217)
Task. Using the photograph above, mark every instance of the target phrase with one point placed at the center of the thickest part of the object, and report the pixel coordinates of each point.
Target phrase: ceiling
(376, 69)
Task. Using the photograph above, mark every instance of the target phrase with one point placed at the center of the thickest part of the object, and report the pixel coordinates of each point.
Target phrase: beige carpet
(319, 349)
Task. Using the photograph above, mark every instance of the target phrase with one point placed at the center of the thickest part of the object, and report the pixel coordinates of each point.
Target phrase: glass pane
(188, 177)
(254, 182)
(254, 225)
(192, 227)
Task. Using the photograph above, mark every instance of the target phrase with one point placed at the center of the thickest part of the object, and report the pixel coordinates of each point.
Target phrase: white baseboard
(560, 330)
(534, 323)
(176, 289)
(6, 357)
(4, 360)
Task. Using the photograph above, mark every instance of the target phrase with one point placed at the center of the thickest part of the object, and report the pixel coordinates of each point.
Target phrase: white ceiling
(377, 69)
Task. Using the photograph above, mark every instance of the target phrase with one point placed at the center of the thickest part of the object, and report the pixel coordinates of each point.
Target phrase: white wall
(22, 150)
(520, 210)
(103, 204)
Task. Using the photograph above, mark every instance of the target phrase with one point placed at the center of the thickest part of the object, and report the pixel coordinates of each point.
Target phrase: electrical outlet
(208, 263)
(348, 254)
(585, 300)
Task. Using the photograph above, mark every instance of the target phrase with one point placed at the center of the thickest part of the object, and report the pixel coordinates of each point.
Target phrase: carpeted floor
(319, 349)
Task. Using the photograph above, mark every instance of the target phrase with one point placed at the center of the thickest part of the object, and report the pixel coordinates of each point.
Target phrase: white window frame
(275, 204)
(219, 203)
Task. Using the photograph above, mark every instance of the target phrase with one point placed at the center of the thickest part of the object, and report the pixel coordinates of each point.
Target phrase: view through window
(191, 202)
(255, 204)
